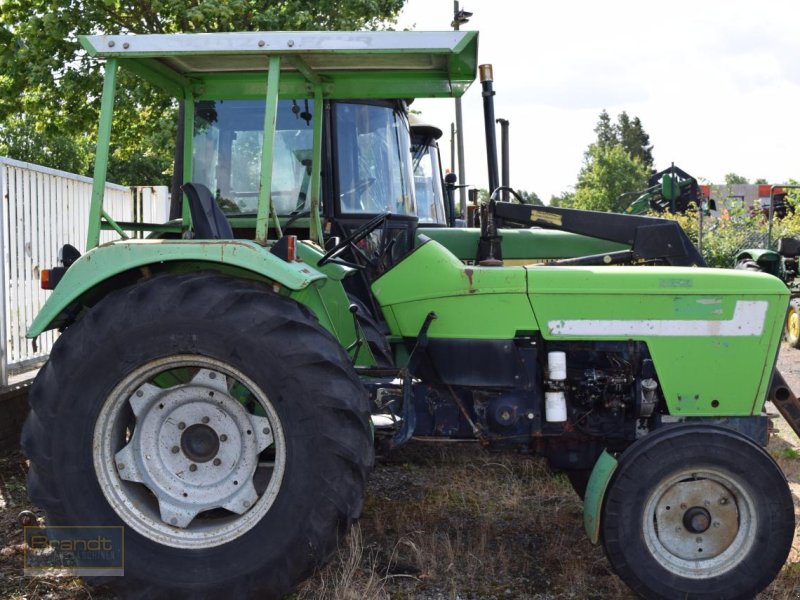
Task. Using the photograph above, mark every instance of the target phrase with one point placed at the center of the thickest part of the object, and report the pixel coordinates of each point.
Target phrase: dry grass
(467, 524)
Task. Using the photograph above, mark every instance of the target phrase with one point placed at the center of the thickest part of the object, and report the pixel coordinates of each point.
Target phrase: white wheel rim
(699, 524)
(180, 464)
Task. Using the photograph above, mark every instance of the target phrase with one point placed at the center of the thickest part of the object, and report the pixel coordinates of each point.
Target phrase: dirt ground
(444, 521)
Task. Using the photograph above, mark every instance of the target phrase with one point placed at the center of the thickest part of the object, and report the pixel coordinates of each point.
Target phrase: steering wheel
(505, 188)
(351, 241)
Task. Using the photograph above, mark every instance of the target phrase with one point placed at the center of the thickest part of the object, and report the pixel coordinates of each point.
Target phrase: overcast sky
(716, 83)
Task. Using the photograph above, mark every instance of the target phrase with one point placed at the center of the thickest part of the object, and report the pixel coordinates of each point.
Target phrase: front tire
(216, 421)
(697, 512)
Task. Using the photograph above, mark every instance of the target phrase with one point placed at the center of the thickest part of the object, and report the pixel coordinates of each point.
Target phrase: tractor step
(785, 401)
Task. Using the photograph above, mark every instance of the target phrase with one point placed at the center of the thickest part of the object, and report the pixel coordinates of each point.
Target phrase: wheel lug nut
(175, 449)
(266, 430)
(683, 507)
(723, 500)
(217, 462)
(223, 438)
(181, 425)
(205, 420)
(193, 468)
(120, 466)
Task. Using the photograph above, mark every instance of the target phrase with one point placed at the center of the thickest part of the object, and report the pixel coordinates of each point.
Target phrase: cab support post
(270, 119)
(188, 141)
(315, 226)
(101, 157)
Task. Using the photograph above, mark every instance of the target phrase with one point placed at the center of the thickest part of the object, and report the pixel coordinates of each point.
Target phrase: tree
(735, 179)
(634, 139)
(627, 132)
(606, 176)
(605, 131)
(565, 199)
(530, 197)
(48, 77)
(618, 162)
(761, 181)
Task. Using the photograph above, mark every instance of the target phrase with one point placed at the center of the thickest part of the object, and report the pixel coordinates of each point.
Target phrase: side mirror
(451, 179)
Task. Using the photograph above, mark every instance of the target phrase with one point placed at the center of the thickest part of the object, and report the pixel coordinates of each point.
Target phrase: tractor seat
(789, 247)
(208, 220)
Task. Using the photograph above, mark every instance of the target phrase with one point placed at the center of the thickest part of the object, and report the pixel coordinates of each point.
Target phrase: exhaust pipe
(487, 78)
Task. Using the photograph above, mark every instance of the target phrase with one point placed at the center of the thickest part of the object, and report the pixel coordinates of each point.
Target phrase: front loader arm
(649, 237)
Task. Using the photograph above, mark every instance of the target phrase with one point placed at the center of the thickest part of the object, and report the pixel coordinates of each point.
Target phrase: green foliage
(735, 179)
(608, 173)
(530, 197)
(627, 132)
(20, 139)
(618, 162)
(45, 75)
(565, 199)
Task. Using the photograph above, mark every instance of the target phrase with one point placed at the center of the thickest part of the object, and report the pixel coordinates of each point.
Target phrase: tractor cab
(308, 132)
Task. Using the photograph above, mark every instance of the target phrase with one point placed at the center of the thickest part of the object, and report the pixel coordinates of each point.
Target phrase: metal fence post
(4, 280)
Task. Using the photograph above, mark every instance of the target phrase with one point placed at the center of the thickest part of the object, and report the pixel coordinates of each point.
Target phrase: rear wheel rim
(194, 464)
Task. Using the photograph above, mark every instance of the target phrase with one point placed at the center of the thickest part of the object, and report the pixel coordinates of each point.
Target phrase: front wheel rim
(793, 324)
(189, 452)
(699, 524)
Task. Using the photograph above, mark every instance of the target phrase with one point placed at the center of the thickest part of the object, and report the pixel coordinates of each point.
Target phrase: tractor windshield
(372, 154)
(427, 179)
(373, 150)
(226, 155)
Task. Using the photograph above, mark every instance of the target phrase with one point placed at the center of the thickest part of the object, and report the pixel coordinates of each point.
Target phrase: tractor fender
(601, 475)
(758, 255)
(104, 262)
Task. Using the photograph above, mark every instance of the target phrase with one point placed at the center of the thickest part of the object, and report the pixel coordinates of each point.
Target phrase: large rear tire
(217, 422)
(697, 512)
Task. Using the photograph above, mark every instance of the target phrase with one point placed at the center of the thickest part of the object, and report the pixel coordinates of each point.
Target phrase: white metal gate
(42, 209)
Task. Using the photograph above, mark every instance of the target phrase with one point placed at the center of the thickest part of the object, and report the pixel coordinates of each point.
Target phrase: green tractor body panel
(703, 327)
(470, 302)
(714, 321)
(522, 245)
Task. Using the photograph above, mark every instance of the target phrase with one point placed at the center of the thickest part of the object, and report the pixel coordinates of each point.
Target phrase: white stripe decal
(748, 320)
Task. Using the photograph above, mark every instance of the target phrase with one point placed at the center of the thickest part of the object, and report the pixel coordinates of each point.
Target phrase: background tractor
(218, 388)
(780, 262)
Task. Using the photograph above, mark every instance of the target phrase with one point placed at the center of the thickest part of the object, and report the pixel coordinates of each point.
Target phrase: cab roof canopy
(388, 64)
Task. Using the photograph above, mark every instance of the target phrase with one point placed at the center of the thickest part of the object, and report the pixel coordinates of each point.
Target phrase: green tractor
(218, 388)
(782, 262)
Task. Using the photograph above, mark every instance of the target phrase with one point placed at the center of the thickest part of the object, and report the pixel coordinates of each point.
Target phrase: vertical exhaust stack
(487, 79)
(505, 180)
